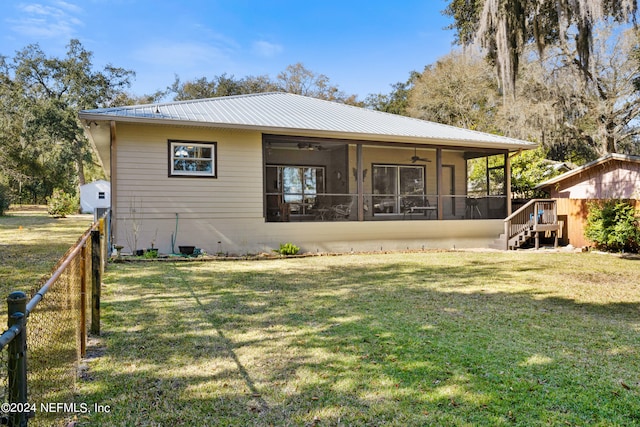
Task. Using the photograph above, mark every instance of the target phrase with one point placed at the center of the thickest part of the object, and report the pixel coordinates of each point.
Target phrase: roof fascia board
(444, 143)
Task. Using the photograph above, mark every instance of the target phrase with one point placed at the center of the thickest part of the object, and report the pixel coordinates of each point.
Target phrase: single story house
(613, 176)
(242, 174)
(96, 194)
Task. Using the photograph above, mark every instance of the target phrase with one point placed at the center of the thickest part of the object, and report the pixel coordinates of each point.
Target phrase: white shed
(96, 194)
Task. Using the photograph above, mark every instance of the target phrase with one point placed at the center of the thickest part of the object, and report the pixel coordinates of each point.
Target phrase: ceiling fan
(310, 147)
(415, 157)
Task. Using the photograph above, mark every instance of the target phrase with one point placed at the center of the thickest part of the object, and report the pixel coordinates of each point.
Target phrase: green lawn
(31, 242)
(436, 338)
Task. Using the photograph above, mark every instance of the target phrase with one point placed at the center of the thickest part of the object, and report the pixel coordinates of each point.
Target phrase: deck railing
(533, 214)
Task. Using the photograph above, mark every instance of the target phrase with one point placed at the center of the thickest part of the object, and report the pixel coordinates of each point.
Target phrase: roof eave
(515, 146)
(599, 161)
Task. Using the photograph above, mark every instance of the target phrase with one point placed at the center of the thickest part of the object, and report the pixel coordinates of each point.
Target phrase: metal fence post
(96, 281)
(17, 375)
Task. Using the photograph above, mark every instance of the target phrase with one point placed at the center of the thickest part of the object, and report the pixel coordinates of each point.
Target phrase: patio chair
(342, 211)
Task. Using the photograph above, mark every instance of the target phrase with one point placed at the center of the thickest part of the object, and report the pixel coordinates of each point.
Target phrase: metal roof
(279, 111)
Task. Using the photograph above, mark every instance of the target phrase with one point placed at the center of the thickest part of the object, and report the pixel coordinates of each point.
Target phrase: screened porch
(316, 180)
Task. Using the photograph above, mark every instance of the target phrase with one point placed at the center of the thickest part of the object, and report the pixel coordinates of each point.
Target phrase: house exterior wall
(614, 179)
(226, 214)
(142, 185)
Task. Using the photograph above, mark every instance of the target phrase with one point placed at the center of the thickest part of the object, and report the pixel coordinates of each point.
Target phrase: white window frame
(212, 173)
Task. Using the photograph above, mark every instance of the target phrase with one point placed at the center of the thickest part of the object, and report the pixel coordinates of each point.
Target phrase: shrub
(151, 253)
(61, 204)
(288, 249)
(613, 226)
(5, 199)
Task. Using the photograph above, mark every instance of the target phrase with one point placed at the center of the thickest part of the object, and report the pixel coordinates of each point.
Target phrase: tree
(396, 102)
(300, 80)
(221, 85)
(42, 130)
(528, 169)
(592, 116)
(459, 90)
(575, 119)
(9, 121)
(506, 27)
(294, 79)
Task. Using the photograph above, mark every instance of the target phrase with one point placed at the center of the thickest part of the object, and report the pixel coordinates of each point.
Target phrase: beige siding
(142, 181)
(225, 214)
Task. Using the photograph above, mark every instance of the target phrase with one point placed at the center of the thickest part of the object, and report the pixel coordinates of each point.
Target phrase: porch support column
(360, 182)
(439, 182)
(507, 181)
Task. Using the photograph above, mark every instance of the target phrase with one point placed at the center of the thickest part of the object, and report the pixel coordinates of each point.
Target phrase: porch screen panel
(411, 180)
(385, 185)
(301, 186)
(496, 181)
(292, 184)
(397, 184)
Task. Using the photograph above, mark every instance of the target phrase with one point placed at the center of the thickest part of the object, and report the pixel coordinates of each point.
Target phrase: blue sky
(362, 46)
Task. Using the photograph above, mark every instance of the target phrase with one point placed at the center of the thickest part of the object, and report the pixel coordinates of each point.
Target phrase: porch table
(426, 210)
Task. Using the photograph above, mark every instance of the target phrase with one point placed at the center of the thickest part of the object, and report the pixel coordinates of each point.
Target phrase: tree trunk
(79, 149)
(609, 139)
(80, 165)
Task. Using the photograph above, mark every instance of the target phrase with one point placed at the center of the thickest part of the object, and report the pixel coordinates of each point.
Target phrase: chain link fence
(38, 377)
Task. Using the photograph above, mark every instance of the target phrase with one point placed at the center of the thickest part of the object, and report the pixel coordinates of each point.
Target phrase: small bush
(151, 253)
(61, 204)
(5, 199)
(613, 226)
(288, 249)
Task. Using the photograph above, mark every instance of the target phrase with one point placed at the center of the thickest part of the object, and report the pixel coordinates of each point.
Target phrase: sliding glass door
(396, 186)
(298, 186)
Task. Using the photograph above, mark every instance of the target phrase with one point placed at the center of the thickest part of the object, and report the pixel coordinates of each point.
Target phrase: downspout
(174, 237)
(360, 182)
(113, 179)
(439, 183)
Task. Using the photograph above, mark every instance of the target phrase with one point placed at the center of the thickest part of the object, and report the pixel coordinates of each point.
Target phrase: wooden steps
(537, 216)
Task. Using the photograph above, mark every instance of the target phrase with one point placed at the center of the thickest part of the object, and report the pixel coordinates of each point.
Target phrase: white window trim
(202, 174)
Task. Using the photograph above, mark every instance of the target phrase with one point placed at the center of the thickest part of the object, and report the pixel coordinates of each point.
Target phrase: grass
(31, 242)
(437, 338)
